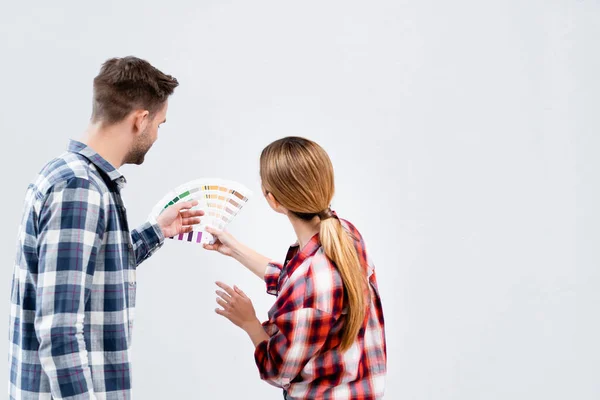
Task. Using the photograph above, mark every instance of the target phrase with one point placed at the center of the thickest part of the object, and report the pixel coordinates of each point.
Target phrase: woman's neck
(305, 230)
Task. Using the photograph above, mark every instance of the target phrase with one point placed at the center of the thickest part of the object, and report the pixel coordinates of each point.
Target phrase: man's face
(146, 139)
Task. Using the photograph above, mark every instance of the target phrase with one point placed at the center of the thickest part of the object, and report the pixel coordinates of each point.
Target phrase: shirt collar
(296, 256)
(89, 153)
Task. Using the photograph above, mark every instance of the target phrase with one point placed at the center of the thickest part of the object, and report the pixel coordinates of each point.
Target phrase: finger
(239, 291)
(191, 221)
(213, 231)
(186, 229)
(223, 304)
(185, 205)
(226, 288)
(224, 295)
(214, 247)
(196, 212)
(192, 213)
(222, 312)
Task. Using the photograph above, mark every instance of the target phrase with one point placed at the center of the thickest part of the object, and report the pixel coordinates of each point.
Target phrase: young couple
(74, 282)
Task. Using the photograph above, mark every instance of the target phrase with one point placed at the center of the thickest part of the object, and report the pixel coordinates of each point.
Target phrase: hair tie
(326, 214)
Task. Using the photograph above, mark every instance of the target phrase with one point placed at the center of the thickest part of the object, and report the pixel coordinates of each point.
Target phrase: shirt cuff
(157, 230)
(260, 357)
(152, 236)
(272, 273)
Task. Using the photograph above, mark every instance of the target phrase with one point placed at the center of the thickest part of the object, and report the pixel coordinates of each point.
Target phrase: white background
(465, 142)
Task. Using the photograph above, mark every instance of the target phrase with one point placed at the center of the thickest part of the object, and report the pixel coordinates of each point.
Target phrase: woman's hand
(225, 243)
(238, 308)
(228, 245)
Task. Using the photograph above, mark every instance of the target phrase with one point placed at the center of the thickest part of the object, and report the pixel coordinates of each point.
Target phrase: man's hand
(178, 218)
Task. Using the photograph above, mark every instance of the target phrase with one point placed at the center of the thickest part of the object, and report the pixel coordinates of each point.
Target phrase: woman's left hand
(237, 307)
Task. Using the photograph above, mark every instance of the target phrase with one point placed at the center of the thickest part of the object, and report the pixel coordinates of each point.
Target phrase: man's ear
(141, 119)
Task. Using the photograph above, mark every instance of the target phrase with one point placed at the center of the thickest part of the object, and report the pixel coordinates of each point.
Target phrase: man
(74, 282)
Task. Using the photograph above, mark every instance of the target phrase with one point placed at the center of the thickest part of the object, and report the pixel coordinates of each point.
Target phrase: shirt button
(130, 245)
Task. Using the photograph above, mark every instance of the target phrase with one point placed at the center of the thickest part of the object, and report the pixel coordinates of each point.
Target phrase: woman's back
(309, 316)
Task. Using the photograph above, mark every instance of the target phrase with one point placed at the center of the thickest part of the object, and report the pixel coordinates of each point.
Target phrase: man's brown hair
(125, 84)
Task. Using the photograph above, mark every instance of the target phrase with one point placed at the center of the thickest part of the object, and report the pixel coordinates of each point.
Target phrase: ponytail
(339, 248)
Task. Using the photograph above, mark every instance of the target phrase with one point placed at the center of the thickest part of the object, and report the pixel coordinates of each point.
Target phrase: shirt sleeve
(272, 274)
(295, 337)
(70, 229)
(146, 239)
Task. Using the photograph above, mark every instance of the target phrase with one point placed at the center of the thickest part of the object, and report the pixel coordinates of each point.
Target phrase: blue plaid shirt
(74, 283)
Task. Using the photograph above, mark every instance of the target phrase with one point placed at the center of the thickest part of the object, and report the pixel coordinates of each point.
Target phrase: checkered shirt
(74, 283)
(305, 324)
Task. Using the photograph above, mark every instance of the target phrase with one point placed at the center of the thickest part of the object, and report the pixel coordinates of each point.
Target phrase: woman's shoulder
(355, 234)
(350, 227)
(359, 243)
(324, 285)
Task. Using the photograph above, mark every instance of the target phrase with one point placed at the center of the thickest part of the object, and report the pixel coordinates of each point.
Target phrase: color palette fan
(221, 200)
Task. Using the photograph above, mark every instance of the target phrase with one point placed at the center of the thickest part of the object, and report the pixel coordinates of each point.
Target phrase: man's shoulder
(66, 169)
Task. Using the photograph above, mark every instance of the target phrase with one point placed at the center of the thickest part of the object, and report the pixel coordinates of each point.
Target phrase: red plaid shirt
(305, 328)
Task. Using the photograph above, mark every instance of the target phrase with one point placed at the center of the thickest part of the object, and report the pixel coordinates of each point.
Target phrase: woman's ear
(271, 200)
(274, 204)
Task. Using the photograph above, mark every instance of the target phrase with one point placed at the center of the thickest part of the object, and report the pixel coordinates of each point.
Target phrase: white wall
(470, 165)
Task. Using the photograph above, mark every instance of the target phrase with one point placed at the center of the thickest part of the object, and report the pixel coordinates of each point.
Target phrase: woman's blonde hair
(299, 174)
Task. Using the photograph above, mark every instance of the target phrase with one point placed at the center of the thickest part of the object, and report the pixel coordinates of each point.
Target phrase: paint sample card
(221, 201)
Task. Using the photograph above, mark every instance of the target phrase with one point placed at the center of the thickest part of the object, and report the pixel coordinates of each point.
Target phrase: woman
(325, 336)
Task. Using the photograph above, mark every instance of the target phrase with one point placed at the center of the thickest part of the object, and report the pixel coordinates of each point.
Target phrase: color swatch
(221, 201)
